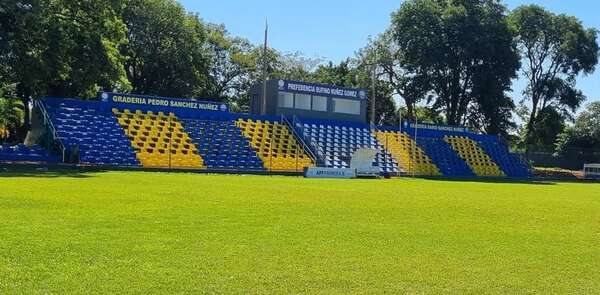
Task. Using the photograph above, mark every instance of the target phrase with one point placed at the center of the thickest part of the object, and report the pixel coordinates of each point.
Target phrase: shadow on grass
(531, 181)
(7, 172)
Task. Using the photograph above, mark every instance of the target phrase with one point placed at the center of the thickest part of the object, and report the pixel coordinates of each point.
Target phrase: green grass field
(136, 232)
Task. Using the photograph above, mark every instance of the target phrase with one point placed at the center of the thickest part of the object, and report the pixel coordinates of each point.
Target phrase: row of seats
(275, 145)
(444, 157)
(23, 153)
(511, 164)
(335, 145)
(460, 156)
(159, 139)
(479, 162)
(96, 136)
(411, 158)
(222, 145)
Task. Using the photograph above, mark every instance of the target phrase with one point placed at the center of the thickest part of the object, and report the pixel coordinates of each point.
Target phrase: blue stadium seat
(95, 131)
(511, 164)
(444, 157)
(22, 153)
(221, 144)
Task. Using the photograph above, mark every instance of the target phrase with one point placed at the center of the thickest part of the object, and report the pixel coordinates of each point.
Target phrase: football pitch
(141, 232)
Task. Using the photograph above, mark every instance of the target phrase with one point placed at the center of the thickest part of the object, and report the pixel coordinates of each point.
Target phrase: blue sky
(336, 29)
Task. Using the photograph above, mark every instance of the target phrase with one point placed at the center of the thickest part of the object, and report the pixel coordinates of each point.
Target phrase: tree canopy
(65, 48)
(466, 51)
(555, 49)
(62, 48)
(11, 111)
(167, 50)
(585, 133)
(442, 61)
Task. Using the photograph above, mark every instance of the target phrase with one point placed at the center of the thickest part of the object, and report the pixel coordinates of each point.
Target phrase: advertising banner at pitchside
(178, 103)
(321, 172)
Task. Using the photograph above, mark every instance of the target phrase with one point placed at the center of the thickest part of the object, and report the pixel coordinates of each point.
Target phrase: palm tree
(11, 113)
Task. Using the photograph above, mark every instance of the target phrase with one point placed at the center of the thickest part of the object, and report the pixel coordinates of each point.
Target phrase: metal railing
(300, 138)
(50, 125)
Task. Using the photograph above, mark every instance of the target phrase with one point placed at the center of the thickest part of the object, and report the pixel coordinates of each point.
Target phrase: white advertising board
(320, 172)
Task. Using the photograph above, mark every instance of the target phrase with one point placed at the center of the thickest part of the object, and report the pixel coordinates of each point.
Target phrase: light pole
(415, 146)
(399, 119)
(373, 66)
(263, 110)
(373, 96)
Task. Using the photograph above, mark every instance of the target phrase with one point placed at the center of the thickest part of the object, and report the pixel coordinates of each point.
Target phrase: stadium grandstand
(295, 126)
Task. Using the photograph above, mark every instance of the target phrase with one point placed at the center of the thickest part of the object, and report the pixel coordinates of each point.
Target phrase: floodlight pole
(399, 119)
(385, 159)
(271, 151)
(373, 96)
(170, 141)
(415, 146)
(297, 159)
(264, 73)
(297, 142)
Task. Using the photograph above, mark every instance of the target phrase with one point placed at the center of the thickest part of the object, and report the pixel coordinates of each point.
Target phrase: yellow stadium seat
(150, 137)
(411, 158)
(275, 146)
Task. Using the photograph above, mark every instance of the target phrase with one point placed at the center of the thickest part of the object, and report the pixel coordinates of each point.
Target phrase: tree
(555, 49)
(384, 53)
(229, 64)
(466, 51)
(423, 114)
(82, 55)
(11, 111)
(386, 111)
(7, 30)
(354, 73)
(167, 50)
(21, 50)
(62, 48)
(250, 63)
(342, 74)
(585, 133)
(550, 124)
(296, 66)
(290, 66)
(492, 109)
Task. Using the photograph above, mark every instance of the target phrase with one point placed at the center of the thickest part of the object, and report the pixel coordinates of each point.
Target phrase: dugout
(310, 100)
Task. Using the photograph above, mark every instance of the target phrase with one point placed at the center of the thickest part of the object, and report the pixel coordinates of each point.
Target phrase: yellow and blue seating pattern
(275, 145)
(148, 137)
(477, 159)
(411, 158)
(159, 140)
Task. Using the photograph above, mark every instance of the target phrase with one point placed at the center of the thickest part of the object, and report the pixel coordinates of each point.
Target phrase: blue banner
(321, 89)
(177, 103)
(437, 127)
